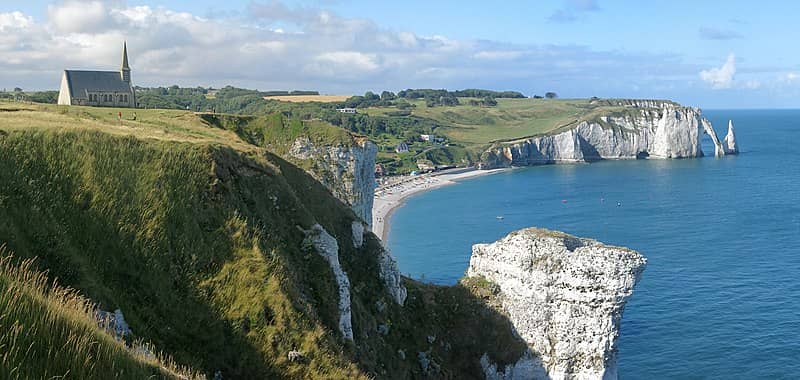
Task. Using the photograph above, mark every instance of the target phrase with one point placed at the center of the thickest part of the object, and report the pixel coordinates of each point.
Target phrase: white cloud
(275, 46)
(721, 77)
(789, 77)
(349, 60)
(14, 20)
(79, 16)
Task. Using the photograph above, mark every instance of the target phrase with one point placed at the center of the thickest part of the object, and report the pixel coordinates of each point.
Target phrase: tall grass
(48, 331)
(198, 244)
(186, 240)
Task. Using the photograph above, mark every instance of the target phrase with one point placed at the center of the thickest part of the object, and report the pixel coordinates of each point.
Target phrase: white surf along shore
(393, 193)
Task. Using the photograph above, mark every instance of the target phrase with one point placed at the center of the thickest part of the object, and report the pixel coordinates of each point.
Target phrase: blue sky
(736, 54)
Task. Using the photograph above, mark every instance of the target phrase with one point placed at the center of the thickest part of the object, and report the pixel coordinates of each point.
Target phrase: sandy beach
(392, 195)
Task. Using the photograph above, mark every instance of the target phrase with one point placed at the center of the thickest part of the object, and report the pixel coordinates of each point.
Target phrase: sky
(709, 54)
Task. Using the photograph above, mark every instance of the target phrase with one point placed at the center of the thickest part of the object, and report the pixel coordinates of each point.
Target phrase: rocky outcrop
(347, 170)
(328, 248)
(564, 297)
(730, 145)
(643, 129)
(526, 368)
(390, 274)
(719, 151)
(358, 233)
(387, 266)
(113, 322)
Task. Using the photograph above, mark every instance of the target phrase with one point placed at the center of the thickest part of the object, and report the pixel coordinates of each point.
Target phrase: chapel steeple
(126, 70)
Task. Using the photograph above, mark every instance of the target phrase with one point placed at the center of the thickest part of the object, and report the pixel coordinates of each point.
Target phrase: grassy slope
(193, 233)
(46, 324)
(168, 231)
(277, 133)
(309, 98)
(511, 119)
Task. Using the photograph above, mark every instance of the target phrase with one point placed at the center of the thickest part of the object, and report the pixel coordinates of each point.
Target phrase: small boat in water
(499, 217)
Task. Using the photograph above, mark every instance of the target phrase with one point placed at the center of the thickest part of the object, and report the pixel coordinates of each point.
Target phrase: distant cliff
(638, 129)
(564, 296)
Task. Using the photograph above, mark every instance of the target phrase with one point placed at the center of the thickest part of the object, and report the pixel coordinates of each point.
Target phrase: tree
(551, 95)
(369, 95)
(17, 89)
(388, 95)
(489, 102)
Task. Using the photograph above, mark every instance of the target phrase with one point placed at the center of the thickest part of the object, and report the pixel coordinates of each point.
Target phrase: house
(346, 110)
(431, 138)
(425, 165)
(99, 88)
(401, 148)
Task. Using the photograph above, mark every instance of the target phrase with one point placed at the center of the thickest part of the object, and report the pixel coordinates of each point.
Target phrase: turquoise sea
(720, 298)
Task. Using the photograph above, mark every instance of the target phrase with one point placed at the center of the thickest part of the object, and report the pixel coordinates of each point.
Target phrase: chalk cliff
(564, 297)
(327, 246)
(730, 145)
(641, 129)
(348, 171)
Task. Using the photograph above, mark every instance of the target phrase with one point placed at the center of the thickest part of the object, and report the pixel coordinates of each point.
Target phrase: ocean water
(720, 298)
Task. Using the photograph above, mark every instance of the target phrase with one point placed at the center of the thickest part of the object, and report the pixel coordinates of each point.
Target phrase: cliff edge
(342, 161)
(238, 263)
(632, 130)
(564, 297)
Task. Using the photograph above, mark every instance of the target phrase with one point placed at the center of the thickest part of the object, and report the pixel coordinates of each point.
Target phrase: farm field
(309, 98)
(510, 119)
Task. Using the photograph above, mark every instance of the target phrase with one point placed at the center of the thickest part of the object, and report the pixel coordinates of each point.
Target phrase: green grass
(511, 119)
(155, 124)
(49, 331)
(195, 234)
(146, 225)
(277, 133)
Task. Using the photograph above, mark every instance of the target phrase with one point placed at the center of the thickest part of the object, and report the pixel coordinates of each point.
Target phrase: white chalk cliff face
(730, 145)
(348, 171)
(649, 129)
(390, 274)
(564, 296)
(327, 246)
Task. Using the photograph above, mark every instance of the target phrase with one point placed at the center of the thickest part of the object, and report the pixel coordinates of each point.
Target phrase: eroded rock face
(348, 171)
(564, 296)
(651, 129)
(730, 144)
(390, 274)
(719, 151)
(327, 247)
(387, 266)
(358, 233)
(526, 368)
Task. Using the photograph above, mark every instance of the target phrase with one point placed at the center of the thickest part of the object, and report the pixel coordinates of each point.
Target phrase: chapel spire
(126, 70)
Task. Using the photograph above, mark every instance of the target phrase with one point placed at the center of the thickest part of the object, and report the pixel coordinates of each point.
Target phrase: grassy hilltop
(511, 119)
(194, 230)
(469, 121)
(472, 125)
